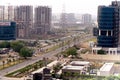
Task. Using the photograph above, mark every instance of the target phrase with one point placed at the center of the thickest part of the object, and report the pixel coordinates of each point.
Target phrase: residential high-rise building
(2, 12)
(10, 13)
(63, 20)
(23, 15)
(42, 22)
(108, 25)
(7, 13)
(70, 17)
(117, 4)
(86, 18)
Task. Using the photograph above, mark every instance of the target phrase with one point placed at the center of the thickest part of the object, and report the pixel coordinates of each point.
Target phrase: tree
(72, 51)
(77, 47)
(5, 44)
(57, 67)
(112, 78)
(26, 52)
(3, 63)
(17, 46)
(66, 75)
(40, 63)
(101, 52)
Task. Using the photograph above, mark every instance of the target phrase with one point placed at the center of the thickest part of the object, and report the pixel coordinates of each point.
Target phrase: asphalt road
(35, 59)
(28, 62)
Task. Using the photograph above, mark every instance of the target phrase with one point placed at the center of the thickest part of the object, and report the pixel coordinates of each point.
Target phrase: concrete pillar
(99, 32)
(115, 52)
(96, 51)
(109, 52)
(107, 33)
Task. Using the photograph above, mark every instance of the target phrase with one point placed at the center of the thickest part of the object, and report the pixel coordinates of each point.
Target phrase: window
(103, 33)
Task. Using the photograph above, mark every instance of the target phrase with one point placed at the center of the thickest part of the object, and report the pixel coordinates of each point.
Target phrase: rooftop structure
(85, 64)
(74, 69)
(80, 63)
(69, 67)
(107, 69)
(52, 63)
(39, 70)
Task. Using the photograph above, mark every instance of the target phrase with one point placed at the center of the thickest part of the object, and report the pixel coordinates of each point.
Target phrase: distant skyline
(71, 6)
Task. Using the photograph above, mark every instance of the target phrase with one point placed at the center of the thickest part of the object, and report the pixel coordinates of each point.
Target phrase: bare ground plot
(114, 58)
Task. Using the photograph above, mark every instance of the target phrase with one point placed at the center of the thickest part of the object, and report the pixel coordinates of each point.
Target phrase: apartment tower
(23, 15)
(86, 18)
(42, 22)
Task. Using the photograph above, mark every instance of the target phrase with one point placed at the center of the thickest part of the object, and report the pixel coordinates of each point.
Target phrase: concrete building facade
(10, 12)
(24, 18)
(79, 67)
(7, 13)
(70, 17)
(86, 18)
(2, 8)
(42, 20)
(107, 69)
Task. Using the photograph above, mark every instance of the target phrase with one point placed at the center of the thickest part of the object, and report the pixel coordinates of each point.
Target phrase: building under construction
(23, 15)
(7, 13)
(42, 22)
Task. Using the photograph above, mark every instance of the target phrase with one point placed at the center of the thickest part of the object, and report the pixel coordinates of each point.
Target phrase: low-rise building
(107, 69)
(85, 64)
(46, 74)
(80, 67)
(73, 69)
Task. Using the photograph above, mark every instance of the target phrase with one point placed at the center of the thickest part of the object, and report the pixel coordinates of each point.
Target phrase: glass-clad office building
(108, 26)
(7, 30)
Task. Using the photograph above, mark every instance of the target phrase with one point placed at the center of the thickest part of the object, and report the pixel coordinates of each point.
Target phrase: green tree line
(18, 46)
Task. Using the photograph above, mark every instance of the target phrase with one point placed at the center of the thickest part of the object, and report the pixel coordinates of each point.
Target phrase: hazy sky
(71, 6)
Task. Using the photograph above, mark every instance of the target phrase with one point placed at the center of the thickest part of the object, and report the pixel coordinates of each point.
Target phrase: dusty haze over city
(71, 6)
